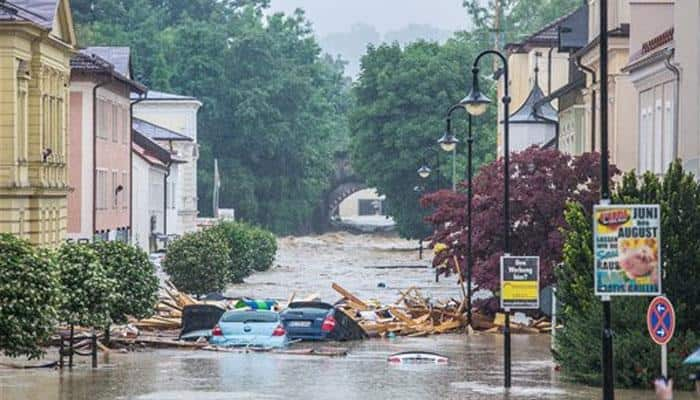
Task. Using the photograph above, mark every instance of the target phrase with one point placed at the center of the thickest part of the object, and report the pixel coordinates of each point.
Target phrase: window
(125, 123)
(656, 130)
(101, 186)
(115, 194)
(115, 123)
(125, 192)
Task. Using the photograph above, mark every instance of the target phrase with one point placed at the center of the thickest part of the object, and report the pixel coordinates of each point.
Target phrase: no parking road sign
(661, 320)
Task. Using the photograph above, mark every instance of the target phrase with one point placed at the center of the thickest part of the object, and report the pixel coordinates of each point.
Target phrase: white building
(173, 122)
(150, 169)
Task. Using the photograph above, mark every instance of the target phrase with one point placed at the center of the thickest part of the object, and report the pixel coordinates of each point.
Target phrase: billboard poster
(520, 282)
(627, 250)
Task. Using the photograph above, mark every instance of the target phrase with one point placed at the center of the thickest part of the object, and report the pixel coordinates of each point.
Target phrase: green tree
(240, 243)
(518, 18)
(578, 346)
(29, 297)
(136, 290)
(401, 97)
(274, 107)
(199, 262)
(88, 291)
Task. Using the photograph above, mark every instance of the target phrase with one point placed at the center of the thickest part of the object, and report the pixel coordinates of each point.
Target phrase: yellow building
(36, 44)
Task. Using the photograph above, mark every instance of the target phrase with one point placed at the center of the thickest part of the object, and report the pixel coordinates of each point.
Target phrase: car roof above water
(250, 316)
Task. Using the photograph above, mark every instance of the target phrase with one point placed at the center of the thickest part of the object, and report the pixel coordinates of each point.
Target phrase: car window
(250, 316)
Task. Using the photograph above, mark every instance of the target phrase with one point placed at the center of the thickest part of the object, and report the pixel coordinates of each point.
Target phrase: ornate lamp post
(476, 104)
(448, 142)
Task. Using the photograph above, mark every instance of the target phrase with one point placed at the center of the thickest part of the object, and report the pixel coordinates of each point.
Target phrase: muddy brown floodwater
(309, 265)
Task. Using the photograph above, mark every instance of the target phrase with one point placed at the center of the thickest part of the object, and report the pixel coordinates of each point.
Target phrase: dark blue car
(315, 320)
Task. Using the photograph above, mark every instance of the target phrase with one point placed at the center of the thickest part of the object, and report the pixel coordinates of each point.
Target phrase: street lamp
(447, 142)
(425, 171)
(476, 104)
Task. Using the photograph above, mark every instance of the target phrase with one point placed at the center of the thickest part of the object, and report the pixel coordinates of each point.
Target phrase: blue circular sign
(661, 320)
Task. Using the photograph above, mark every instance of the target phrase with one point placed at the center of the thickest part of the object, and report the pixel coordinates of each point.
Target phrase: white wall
(141, 221)
(179, 116)
(350, 206)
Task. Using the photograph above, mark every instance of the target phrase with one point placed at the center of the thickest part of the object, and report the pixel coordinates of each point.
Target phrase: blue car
(315, 320)
(249, 328)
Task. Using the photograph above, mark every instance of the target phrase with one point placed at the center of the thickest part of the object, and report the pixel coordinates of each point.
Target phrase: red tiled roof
(653, 44)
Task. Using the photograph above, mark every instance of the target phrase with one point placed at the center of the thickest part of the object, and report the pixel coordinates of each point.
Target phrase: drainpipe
(593, 98)
(141, 98)
(165, 202)
(676, 105)
(94, 149)
(549, 71)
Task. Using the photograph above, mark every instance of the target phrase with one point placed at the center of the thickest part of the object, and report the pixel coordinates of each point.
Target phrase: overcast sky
(331, 16)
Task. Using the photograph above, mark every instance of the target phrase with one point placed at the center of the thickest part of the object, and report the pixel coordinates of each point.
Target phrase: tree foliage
(136, 290)
(636, 357)
(264, 249)
(542, 181)
(518, 18)
(274, 106)
(199, 262)
(29, 297)
(87, 290)
(402, 96)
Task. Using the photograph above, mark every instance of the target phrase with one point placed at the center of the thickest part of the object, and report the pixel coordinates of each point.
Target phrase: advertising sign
(520, 282)
(627, 250)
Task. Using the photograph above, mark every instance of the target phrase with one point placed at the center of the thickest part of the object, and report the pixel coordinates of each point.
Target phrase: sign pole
(608, 379)
(664, 361)
(506, 349)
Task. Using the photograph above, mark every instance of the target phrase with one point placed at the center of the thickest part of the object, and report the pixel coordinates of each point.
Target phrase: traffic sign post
(661, 324)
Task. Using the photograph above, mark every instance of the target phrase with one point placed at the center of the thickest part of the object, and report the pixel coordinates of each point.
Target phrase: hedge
(29, 297)
(199, 262)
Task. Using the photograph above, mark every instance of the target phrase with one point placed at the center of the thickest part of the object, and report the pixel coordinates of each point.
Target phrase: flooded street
(309, 265)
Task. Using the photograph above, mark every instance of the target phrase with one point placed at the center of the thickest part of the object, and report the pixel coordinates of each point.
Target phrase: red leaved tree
(542, 181)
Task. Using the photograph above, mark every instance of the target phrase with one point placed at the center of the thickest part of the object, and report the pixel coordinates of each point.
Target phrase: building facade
(177, 114)
(100, 154)
(151, 167)
(35, 52)
(174, 186)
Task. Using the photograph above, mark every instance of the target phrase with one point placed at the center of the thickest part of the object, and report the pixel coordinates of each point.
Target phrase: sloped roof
(156, 95)
(118, 56)
(527, 113)
(548, 36)
(88, 62)
(40, 12)
(150, 151)
(156, 132)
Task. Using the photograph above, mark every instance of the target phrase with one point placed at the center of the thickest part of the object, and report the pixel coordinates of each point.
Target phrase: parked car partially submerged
(315, 320)
(249, 328)
(198, 320)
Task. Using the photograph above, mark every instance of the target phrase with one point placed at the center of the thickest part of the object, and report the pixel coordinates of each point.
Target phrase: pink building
(99, 164)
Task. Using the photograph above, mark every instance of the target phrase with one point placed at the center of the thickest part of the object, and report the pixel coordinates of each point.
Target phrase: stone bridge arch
(345, 183)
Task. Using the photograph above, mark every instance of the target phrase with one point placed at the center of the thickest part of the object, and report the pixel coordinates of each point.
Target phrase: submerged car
(249, 328)
(315, 320)
(198, 320)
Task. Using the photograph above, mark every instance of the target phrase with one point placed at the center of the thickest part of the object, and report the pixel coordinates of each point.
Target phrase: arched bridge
(345, 183)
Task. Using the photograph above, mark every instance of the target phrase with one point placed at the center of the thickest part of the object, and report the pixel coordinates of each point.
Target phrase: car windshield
(250, 316)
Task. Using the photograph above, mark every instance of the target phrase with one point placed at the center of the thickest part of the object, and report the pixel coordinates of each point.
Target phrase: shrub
(88, 291)
(199, 263)
(578, 344)
(264, 249)
(29, 297)
(240, 243)
(134, 274)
